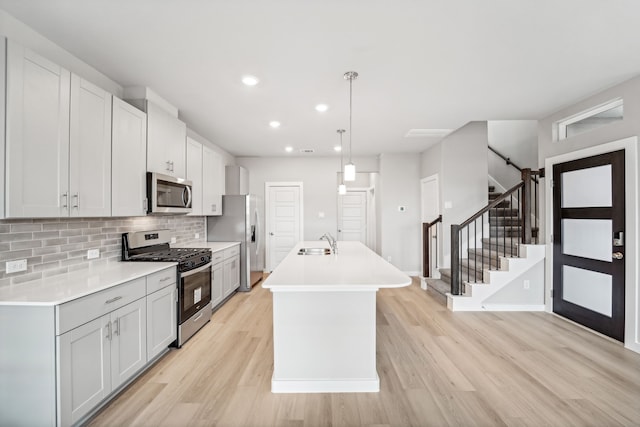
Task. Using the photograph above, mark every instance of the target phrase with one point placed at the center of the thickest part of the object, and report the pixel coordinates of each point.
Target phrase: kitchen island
(324, 318)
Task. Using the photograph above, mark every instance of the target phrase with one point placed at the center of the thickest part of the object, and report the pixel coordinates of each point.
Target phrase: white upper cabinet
(3, 68)
(37, 135)
(58, 142)
(129, 163)
(194, 174)
(213, 176)
(166, 142)
(90, 150)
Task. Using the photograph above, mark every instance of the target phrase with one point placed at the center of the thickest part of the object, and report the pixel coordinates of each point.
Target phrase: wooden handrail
(426, 245)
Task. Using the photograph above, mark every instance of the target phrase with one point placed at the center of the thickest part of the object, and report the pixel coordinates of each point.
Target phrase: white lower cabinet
(231, 275)
(66, 359)
(161, 320)
(217, 283)
(99, 356)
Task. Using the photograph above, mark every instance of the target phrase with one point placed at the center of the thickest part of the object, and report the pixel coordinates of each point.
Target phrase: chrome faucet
(332, 242)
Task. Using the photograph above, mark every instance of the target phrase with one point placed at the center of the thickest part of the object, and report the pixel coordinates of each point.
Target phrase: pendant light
(350, 168)
(342, 189)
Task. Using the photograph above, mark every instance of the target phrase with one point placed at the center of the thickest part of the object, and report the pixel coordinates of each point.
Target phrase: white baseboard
(326, 386)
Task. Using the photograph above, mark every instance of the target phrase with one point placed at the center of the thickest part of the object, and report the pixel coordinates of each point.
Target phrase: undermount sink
(314, 251)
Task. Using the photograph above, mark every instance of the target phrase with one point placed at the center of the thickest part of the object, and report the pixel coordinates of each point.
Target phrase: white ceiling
(422, 63)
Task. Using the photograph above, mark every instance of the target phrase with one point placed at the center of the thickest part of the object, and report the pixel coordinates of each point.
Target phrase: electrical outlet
(173, 240)
(16, 266)
(402, 208)
(93, 253)
(197, 235)
(526, 284)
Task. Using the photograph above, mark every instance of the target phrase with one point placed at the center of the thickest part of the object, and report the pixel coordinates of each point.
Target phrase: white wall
(518, 141)
(401, 231)
(13, 29)
(590, 143)
(463, 180)
(319, 176)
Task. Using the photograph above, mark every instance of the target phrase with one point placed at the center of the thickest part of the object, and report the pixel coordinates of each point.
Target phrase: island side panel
(324, 341)
(27, 366)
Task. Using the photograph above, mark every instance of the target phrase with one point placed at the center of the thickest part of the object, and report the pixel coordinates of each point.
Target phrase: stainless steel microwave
(168, 195)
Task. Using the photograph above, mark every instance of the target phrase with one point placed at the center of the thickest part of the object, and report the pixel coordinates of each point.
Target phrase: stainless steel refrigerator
(240, 222)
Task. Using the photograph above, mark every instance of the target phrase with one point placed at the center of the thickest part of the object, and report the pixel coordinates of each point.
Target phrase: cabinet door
(194, 174)
(235, 273)
(213, 181)
(129, 166)
(84, 368)
(89, 149)
(166, 142)
(129, 343)
(161, 320)
(217, 284)
(231, 276)
(37, 135)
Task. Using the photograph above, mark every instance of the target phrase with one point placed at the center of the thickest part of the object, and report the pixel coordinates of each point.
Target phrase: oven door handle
(195, 270)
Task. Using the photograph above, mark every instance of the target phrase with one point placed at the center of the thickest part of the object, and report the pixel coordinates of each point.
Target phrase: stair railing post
(525, 206)
(425, 250)
(455, 259)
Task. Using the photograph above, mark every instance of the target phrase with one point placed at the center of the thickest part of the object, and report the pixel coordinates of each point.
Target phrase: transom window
(593, 118)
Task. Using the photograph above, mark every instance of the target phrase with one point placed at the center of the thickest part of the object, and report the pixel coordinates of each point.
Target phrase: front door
(284, 222)
(352, 216)
(588, 242)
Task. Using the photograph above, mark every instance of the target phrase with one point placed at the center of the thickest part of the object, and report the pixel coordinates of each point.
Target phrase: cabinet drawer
(231, 252)
(217, 257)
(161, 279)
(82, 310)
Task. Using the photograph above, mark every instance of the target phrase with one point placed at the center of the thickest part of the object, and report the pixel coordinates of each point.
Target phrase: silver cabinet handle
(77, 198)
(109, 331)
(66, 200)
(617, 255)
(164, 279)
(109, 301)
(116, 330)
(168, 165)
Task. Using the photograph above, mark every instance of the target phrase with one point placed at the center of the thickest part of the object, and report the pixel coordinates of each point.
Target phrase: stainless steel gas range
(194, 275)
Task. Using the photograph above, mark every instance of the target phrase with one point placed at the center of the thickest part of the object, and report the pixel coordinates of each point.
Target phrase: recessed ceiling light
(288, 149)
(274, 124)
(250, 80)
(322, 107)
(337, 148)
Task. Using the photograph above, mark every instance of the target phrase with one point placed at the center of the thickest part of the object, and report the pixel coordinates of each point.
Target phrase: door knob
(270, 234)
(617, 255)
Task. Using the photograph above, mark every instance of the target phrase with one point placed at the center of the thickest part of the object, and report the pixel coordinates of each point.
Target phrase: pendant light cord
(350, 113)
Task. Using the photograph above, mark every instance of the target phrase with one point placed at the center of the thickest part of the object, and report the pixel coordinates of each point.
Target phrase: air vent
(422, 133)
(307, 150)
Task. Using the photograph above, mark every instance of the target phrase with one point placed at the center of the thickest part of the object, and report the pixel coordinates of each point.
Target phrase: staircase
(492, 262)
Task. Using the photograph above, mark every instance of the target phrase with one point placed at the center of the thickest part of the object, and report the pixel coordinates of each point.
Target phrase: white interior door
(284, 220)
(430, 198)
(352, 216)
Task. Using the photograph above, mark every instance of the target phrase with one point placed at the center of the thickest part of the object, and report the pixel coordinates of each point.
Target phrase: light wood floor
(436, 368)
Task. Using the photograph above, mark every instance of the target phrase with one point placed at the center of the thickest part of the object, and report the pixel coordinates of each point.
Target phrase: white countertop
(66, 287)
(355, 267)
(214, 246)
